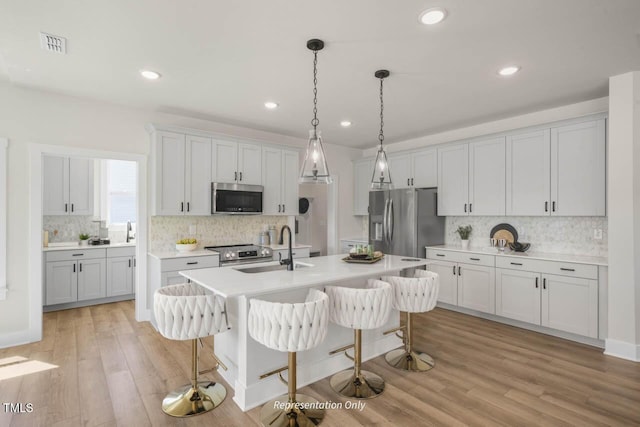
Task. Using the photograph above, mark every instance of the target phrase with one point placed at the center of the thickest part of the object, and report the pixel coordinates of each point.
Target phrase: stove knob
(227, 255)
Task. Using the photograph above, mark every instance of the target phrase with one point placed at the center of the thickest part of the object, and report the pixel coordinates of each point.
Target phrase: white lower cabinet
(92, 279)
(466, 285)
(61, 282)
(557, 295)
(75, 275)
(120, 275)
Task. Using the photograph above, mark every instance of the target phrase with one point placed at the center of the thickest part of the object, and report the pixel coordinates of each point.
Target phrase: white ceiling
(222, 60)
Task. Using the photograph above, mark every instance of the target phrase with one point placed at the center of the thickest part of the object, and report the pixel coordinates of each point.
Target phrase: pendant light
(314, 166)
(381, 178)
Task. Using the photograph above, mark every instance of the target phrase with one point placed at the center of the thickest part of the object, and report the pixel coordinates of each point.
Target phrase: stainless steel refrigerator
(402, 222)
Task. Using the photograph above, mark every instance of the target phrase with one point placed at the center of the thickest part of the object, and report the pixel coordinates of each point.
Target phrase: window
(121, 184)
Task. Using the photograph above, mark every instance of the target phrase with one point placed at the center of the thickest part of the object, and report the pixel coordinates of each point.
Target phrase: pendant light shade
(314, 167)
(381, 178)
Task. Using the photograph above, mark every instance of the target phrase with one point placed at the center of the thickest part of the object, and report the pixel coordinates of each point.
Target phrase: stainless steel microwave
(236, 199)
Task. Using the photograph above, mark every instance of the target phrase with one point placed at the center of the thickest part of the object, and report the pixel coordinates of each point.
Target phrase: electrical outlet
(597, 233)
(192, 230)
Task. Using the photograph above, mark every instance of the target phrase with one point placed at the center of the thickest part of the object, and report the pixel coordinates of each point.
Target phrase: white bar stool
(187, 312)
(412, 295)
(290, 327)
(359, 309)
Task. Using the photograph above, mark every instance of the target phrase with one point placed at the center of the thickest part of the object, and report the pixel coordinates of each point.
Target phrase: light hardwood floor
(115, 371)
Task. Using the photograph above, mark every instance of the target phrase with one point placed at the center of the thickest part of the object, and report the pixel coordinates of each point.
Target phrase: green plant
(464, 231)
(83, 236)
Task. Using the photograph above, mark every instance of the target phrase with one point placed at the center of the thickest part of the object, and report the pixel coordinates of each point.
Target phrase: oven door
(236, 199)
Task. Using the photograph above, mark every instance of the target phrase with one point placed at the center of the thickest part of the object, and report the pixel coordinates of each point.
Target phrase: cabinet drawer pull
(454, 270)
(192, 263)
(567, 269)
(536, 283)
(440, 255)
(459, 271)
(474, 259)
(293, 253)
(77, 255)
(515, 263)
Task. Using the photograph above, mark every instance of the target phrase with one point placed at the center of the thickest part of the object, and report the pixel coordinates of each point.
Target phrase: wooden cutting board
(504, 234)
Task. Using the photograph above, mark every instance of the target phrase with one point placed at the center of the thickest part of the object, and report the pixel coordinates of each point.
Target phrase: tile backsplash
(164, 231)
(569, 235)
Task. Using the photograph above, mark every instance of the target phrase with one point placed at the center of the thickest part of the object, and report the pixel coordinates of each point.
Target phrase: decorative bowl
(186, 248)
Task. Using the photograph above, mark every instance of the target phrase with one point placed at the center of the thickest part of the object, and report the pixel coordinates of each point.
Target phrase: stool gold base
(367, 385)
(409, 361)
(280, 412)
(187, 401)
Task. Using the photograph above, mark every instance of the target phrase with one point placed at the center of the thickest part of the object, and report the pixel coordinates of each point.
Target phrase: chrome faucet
(129, 237)
(288, 262)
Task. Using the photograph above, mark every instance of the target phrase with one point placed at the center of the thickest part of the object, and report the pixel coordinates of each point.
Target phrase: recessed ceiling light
(345, 123)
(271, 105)
(509, 71)
(150, 75)
(433, 16)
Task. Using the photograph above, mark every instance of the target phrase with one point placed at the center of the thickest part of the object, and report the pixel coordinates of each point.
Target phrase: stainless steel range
(242, 254)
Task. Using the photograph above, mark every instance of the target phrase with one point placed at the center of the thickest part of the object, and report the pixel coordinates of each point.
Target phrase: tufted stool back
(415, 294)
(357, 308)
(187, 311)
(290, 327)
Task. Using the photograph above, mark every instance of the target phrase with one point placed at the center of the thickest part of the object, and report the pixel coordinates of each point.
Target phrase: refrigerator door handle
(391, 220)
(384, 221)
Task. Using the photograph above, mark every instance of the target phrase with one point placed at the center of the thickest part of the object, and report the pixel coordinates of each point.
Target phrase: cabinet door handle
(66, 207)
(77, 255)
(129, 263)
(553, 206)
(279, 208)
(80, 266)
(459, 271)
(134, 263)
(181, 206)
(567, 269)
(71, 207)
(474, 259)
(440, 255)
(544, 283)
(188, 207)
(284, 208)
(515, 263)
(470, 207)
(235, 176)
(192, 263)
(465, 208)
(454, 270)
(411, 181)
(546, 206)
(240, 176)
(74, 267)
(536, 283)
(408, 182)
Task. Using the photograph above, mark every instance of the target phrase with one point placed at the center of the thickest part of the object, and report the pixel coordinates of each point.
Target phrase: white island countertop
(229, 282)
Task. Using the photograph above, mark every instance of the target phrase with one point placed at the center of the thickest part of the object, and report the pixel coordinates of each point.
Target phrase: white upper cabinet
(182, 174)
(237, 162)
(487, 177)
(453, 180)
(528, 173)
(418, 169)
(578, 176)
(280, 181)
(362, 173)
(197, 192)
(68, 186)
(561, 171)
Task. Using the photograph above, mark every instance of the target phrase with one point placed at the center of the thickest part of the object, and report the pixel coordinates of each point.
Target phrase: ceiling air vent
(52, 43)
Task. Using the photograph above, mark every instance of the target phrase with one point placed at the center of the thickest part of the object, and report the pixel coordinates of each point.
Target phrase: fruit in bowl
(186, 245)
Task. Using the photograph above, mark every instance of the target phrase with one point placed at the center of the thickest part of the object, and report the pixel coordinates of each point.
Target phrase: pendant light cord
(315, 121)
(381, 135)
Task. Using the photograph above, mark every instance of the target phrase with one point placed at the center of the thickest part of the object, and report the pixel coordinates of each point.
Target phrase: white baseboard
(3, 293)
(621, 349)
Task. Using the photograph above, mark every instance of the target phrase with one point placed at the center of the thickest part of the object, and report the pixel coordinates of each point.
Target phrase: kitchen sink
(267, 268)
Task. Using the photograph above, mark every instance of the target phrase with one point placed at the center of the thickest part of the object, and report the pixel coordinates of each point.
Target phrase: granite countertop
(229, 282)
(544, 256)
(176, 254)
(73, 246)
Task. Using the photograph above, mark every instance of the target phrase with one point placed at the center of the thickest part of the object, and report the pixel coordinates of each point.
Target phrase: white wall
(624, 216)
(31, 116)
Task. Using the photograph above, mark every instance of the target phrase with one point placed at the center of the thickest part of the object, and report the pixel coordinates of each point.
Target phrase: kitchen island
(246, 359)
